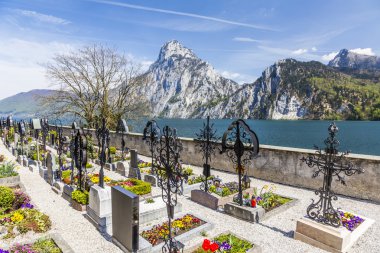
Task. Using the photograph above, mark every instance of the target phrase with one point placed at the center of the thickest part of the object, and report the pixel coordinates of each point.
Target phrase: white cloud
(300, 51)
(314, 49)
(42, 17)
(365, 51)
(237, 77)
(330, 56)
(21, 64)
(245, 39)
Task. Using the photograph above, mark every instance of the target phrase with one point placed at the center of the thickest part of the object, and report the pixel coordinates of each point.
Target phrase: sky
(239, 38)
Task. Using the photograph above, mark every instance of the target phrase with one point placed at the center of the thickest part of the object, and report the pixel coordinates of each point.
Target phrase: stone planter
(77, 206)
(210, 200)
(258, 213)
(145, 246)
(10, 181)
(255, 248)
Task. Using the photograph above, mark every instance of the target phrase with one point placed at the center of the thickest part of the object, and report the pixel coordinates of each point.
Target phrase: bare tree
(96, 82)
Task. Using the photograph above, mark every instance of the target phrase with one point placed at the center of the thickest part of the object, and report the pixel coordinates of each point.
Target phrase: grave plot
(52, 243)
(19, 217)
(8, 174)
(183, 227)
(324, 226)
(225, 242)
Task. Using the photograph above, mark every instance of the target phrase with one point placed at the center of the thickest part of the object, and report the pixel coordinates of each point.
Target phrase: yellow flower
(17, 217)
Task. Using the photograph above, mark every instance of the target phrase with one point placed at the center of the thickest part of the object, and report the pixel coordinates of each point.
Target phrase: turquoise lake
(360, 137)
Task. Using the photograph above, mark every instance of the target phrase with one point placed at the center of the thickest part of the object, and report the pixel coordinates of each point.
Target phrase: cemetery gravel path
(74, 228)
(275, 234)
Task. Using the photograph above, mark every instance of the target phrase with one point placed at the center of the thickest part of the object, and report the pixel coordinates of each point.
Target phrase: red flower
(253, 202)
(206, 245)
(214, 247)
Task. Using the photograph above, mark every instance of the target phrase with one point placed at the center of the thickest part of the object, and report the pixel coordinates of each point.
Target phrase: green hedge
(140, 187)
(80, 196)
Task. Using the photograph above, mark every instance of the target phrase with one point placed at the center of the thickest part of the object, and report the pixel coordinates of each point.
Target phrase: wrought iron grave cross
(205, 142)
(170, 179)
(241, 145)
(151, 135)
(331, 164)
(102, 134)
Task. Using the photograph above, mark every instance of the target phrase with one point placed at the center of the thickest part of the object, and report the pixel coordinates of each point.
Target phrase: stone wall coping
(269, 147)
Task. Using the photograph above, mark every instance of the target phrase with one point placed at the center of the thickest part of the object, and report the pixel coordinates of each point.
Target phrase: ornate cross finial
(151, 135)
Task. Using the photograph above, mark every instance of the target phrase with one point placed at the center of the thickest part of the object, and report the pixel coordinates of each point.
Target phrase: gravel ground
(273, 235)
(74, 228)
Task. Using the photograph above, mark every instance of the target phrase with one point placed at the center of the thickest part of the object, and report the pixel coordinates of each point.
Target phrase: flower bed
(266, 198)
(226, 189)
(141, 164)
(199, 179)
(158, 233)
(8, 170)
(18, 215)
(224, 243)
(136, 186)
(350, 221)
(40, 246)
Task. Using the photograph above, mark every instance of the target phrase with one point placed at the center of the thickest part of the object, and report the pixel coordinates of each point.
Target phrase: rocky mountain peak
(174, 49)
(348, 59)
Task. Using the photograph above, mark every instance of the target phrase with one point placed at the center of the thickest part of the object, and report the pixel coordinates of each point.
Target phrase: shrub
(225, 191)
(188, 171)
(136, 186)
(66, 173)
(46, 246)
(113, 150)
(7, 170)
(88, 166)
(6, 197)
(80, 196)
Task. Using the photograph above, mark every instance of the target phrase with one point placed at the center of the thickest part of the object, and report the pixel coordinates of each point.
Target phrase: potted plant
(79, 200)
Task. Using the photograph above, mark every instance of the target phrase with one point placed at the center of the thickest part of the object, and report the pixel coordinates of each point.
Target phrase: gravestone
(25, 161)
(51, 167)
(67, 190)
(99, 210)
(125, 219)
(109, 166)
(134, 171)
(42, 171)
(152, 179)
(121, 168)
(19, 159)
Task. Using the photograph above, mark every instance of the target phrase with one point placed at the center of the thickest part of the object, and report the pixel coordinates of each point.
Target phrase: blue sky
(240, 38)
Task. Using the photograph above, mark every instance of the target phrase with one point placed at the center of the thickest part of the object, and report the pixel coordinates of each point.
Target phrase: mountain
(348, 59)
(291, 89)
(24, 104)
(183, 86)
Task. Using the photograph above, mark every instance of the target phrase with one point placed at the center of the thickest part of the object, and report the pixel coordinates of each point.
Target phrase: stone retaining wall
(276, 164)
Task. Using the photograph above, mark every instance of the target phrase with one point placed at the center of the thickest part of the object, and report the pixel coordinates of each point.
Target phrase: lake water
(360, 137)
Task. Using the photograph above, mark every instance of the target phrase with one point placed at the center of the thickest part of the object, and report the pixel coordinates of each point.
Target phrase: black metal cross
(206, 142)
(151, 135)
(102, 134)
(123, 128)
(60, 142)
(331, 164)
(80, 153)
(241, 145)
(21, 131)
(170, 178)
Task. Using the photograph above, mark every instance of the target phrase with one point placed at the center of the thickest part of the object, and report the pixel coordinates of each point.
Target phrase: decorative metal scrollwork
(60, 144)
(241, 145)
(206, 143)
(170, 177)
(330, 164)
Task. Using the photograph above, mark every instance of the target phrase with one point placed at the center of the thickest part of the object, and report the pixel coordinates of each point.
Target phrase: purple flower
(225, 246)
(27, 205)
(258, 199)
